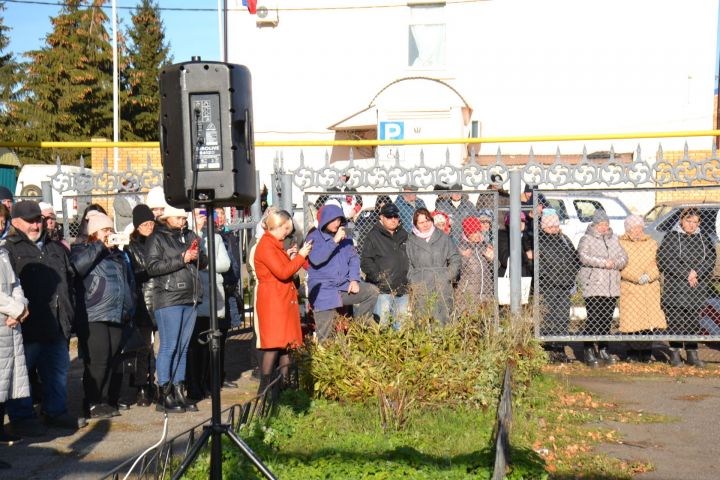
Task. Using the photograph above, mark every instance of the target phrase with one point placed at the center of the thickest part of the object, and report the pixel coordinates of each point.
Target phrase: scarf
(425, 236)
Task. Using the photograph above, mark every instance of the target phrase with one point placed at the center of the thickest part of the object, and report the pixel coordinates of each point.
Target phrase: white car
(576, 209)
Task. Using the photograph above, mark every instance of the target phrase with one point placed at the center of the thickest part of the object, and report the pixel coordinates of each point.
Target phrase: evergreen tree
(8, 77)
(147, 53)
(67, 85)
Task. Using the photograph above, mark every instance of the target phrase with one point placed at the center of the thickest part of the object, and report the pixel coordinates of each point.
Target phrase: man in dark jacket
(385, 264)
(46, 276)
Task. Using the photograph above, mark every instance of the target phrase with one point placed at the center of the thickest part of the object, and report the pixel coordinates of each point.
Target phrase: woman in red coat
(277, 324)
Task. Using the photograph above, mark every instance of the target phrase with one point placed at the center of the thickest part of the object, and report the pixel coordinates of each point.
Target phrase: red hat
(471, 225)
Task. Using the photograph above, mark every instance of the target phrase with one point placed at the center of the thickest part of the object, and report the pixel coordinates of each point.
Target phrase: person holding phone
(278, 316)
(334, 275)
(173, 258)
(108, 300)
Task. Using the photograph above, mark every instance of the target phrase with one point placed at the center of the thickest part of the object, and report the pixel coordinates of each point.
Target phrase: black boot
(166, 400)
(590, 359)
(182, 399)
(605, 357)
(144, 398)
(675, 359)
(693, 359)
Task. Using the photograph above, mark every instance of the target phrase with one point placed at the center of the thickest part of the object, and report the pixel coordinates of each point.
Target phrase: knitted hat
(471, 225)
(522, 218)
(45, 206)
(633, 221)
(548, 221)
(98, 222)
(171, 211)
(5, 194)
(599, 216)
(141, 214)
(156, 198)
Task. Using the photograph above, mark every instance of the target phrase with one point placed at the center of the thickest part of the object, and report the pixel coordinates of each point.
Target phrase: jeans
(53, 362)
(393, 307)
(175, 327)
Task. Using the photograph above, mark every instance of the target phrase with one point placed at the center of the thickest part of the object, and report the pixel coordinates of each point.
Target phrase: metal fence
(655, 277)
(638, 180)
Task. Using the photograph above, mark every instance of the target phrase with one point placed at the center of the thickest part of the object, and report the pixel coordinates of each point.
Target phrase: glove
(644, 279)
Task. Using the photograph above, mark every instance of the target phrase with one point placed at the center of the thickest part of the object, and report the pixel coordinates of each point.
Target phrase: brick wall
(136, 158)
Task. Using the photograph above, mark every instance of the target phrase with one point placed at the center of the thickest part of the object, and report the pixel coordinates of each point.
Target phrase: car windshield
(658, 211)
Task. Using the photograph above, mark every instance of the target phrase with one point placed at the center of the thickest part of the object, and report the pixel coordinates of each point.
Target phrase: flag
(251, 5)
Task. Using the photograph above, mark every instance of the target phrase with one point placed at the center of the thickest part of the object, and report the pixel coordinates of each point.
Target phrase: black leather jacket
(176, 282)
(144, 311)
(47, 278)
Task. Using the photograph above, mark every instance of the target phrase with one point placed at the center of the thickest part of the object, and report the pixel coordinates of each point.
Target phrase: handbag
(132, 340)
(503, 293)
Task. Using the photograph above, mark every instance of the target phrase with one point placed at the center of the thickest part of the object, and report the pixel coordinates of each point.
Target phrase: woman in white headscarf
(640, 311)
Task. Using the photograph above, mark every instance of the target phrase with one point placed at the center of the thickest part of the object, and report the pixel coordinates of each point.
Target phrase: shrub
(422, 363)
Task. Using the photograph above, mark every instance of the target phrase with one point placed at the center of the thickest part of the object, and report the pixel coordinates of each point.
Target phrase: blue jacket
(332, 265)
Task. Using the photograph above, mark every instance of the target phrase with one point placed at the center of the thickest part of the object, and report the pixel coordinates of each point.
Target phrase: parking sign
(392, 130)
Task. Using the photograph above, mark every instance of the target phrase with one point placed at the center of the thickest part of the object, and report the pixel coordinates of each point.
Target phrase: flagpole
(221, 30)
(225, 32)
(116, 119)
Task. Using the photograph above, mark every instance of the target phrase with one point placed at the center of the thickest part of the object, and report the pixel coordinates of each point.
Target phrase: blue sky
(188, 32)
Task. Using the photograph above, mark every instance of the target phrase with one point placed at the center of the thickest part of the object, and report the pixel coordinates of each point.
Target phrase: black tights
(272, 358)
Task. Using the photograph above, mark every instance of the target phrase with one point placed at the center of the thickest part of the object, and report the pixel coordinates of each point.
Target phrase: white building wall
(527, 67)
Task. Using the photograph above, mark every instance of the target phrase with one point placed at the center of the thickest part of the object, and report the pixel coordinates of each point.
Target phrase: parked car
(664, 216)
(576, 209)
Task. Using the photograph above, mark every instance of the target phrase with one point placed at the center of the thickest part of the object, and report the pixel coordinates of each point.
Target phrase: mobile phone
(309, 242)
(194, 245)
(119, 239)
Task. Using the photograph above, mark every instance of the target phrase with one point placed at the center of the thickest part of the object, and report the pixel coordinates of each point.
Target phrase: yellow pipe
(368, 143)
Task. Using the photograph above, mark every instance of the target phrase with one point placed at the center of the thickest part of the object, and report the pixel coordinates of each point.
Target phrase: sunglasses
(391, 216)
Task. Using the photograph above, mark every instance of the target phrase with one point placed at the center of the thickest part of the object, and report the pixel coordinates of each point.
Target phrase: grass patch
(327, 439)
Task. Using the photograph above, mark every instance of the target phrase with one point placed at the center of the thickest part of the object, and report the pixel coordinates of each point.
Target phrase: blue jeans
(175, 326)
(390, 306)
(53, 362)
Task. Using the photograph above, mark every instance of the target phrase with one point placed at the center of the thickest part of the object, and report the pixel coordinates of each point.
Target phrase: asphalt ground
(103, 444)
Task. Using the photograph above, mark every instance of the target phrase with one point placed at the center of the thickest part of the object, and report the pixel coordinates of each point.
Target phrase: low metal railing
(158, 463)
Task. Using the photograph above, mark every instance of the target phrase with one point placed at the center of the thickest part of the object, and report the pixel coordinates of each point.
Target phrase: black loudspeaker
(206, 134)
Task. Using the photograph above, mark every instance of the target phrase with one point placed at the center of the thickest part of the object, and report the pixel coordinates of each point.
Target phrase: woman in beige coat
(640, 311)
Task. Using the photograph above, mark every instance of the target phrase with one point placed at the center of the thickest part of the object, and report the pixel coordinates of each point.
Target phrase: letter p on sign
(392, 130)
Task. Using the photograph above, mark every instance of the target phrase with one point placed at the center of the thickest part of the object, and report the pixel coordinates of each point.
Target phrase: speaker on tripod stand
(207, 151)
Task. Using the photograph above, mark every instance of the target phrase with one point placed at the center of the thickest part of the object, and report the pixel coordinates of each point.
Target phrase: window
(585, 209)
(426, 42)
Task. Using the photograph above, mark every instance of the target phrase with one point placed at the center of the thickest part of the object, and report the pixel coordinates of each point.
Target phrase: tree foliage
(66, 91)
(8, 74)
(147, 53)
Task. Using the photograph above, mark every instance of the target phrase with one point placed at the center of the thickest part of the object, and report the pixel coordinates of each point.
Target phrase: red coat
(277, 316)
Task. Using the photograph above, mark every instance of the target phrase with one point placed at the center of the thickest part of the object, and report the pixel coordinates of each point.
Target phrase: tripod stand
(216, 429)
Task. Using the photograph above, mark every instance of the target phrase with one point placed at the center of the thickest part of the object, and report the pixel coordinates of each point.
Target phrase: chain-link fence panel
(606, 273)
(451, 277)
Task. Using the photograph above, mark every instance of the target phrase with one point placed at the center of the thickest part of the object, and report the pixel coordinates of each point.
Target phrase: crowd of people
(116, 291)
(404, 260)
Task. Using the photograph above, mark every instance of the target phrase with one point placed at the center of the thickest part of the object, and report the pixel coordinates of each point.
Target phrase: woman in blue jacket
(109, 302)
